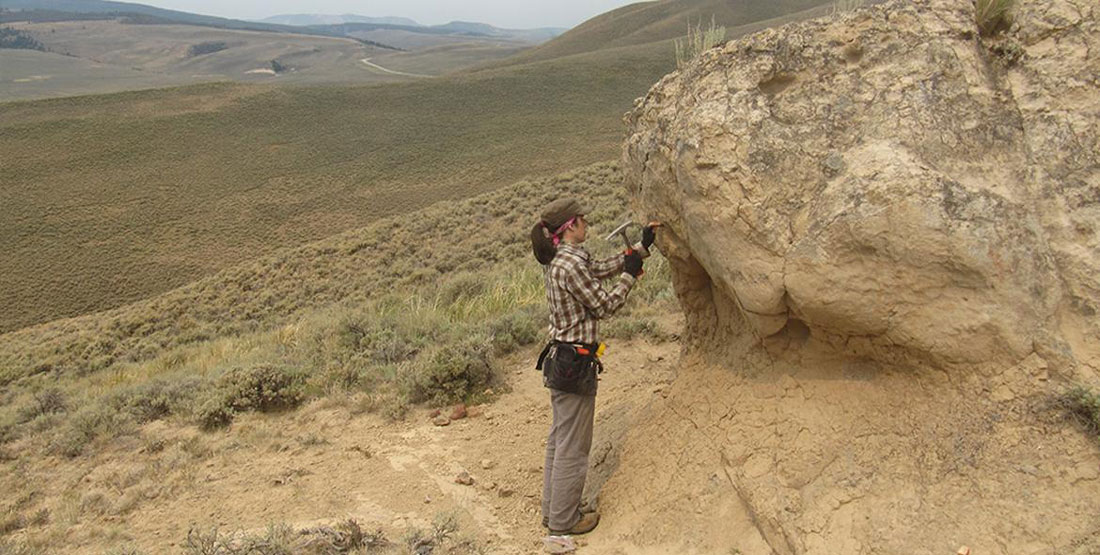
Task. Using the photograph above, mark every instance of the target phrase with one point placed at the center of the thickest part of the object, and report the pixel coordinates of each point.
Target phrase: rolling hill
(112, 199)
(105, 47)
(647, 22)
(64, 10)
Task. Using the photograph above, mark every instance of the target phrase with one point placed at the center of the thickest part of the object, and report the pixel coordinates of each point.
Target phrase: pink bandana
(556, 236)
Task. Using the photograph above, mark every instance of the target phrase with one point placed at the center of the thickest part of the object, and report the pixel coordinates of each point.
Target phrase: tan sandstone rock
(886, 177)
(883, 231)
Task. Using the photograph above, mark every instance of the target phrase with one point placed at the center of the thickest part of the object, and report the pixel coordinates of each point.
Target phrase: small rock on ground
(458, 412)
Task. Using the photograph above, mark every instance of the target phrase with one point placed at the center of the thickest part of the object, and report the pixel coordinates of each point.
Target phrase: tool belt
(570, 367)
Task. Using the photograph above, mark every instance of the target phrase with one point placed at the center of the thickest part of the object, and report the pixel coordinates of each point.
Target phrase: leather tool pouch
(566, 370)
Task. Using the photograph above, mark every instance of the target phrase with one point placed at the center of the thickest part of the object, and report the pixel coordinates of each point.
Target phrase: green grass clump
(993, 16)
(697, 41)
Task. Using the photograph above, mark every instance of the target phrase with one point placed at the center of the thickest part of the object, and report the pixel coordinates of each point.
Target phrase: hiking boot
(585, 508)
(586, 524)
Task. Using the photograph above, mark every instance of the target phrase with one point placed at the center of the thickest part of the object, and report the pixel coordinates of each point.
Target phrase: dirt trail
(372, 65)
(324, 463)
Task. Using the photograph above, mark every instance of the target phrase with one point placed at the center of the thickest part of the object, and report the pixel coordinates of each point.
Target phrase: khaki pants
(567, 458)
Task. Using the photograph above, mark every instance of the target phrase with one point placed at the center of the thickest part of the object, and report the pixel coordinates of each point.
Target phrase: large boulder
(887, 182)
(883, 231)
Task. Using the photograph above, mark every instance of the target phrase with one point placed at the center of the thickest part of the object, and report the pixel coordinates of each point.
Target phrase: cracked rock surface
(886, 181)
(883, 229)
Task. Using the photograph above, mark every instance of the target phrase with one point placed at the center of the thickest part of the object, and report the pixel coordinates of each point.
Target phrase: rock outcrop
(886, 181)
(883, 229)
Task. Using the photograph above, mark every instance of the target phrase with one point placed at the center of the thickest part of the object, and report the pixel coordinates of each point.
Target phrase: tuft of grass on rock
(993, 16)
(697, 41)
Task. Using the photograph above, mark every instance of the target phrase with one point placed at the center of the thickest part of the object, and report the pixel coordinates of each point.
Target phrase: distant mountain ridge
(305, 19)
(310, 24)
(362, 22)
(54, 10)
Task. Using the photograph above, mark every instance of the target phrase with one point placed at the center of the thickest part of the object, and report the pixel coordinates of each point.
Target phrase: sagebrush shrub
(48, 401)
(264, 388)
(95, 420)
(451, 373)
(378, 339)
(516, 329)
(155, 399)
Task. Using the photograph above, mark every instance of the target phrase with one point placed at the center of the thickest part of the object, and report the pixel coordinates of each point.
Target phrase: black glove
(632, 263)
(648, 235)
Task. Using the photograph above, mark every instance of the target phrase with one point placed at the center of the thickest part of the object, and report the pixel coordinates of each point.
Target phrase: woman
(569, 362)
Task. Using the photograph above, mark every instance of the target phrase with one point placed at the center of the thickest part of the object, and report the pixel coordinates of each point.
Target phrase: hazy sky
(501, 13)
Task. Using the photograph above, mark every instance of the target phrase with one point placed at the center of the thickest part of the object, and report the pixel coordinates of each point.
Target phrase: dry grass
(697, 41)
(993, 16)
(1083, 405)
(844, 6)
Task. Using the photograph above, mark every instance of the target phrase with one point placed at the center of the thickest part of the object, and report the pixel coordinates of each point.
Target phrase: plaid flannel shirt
(577, 301)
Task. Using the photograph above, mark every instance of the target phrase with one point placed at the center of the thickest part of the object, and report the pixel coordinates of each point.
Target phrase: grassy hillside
(647, 22)
(410, 309)
(112, 199)
(106, 200)
(396, 253)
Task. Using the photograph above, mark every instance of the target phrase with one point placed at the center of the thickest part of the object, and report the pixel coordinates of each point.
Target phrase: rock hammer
(630, 247)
